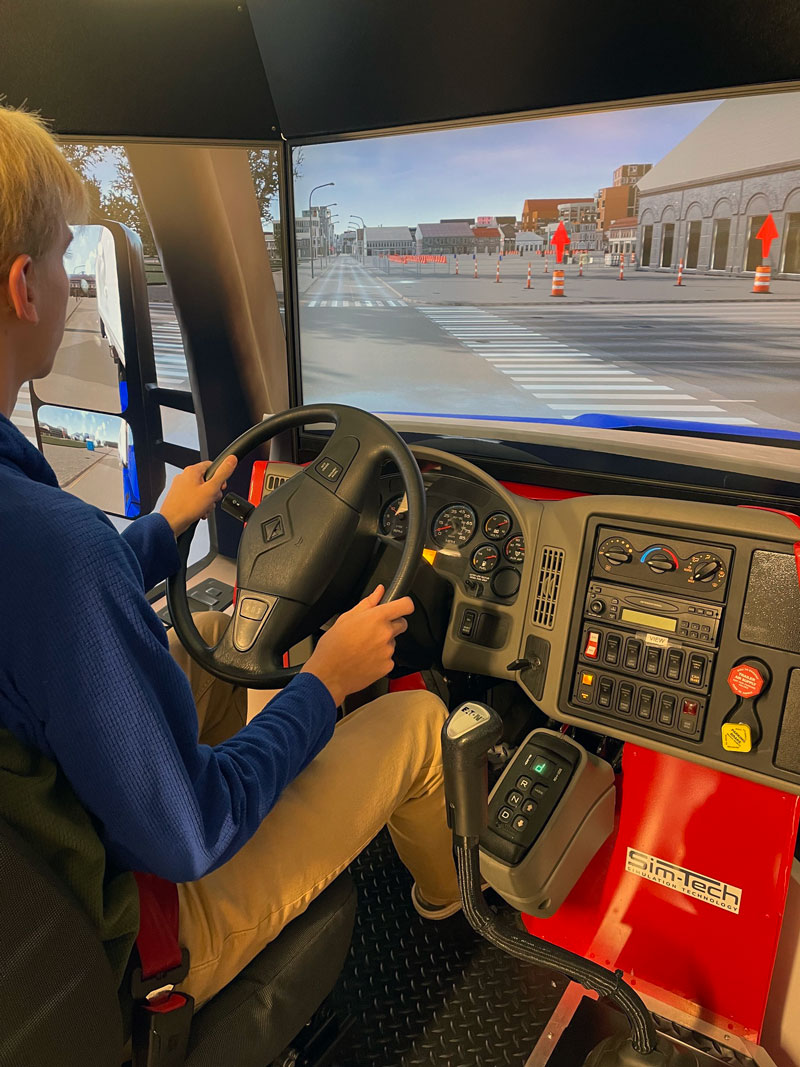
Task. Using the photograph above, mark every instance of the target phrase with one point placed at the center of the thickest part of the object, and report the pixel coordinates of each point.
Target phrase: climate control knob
(660, 563)
(706, 571)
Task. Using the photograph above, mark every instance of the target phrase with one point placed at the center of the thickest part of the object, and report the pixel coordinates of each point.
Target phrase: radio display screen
(659, 622)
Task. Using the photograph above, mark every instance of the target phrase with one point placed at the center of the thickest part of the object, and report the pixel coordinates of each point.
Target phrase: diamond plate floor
(432, 993)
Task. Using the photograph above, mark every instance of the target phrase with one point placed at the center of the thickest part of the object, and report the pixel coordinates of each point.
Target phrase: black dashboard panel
(685, 639)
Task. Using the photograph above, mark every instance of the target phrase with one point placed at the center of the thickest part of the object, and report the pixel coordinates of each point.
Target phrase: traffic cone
(580, 269)
(456, 265)
(680, 273)
(476, 269)
(497, 274)
(528, 285)
(558, 283)
(545, 264)
(761, 280)
(622, 267)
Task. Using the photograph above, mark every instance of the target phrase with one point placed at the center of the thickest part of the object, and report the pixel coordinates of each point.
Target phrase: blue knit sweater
(86, 678)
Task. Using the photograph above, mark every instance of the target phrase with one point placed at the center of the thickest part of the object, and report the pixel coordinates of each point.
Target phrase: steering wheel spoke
(305, 547)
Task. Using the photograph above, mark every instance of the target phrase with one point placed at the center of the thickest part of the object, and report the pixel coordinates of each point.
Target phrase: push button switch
(697, 669)
(652, 661)
(612, 649)
(646, 701)
(633, 650)
(605, 691)
(674, 664)
(625, 698)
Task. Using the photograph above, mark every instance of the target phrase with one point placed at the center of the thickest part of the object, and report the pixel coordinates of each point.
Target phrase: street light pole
(364, 228)
(310, 226)
(326, 218)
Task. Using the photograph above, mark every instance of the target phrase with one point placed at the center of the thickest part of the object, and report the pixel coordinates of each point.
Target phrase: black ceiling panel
(343, 66)
(150, 68)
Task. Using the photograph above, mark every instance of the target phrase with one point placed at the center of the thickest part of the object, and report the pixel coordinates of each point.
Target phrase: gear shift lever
(467, 736)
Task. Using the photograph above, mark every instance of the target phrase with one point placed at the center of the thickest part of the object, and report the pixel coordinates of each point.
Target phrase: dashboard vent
(544, 608)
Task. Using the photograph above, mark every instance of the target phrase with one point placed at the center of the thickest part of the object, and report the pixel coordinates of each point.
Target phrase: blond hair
(38, 188)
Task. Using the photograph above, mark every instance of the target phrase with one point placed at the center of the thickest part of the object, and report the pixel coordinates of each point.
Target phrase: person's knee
(425, 714)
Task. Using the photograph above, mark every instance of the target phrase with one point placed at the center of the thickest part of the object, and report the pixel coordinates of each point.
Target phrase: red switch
(592, 641)
(746, 681)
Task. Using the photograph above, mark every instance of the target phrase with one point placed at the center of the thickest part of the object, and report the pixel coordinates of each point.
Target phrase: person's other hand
(359, 647)
(190, 497)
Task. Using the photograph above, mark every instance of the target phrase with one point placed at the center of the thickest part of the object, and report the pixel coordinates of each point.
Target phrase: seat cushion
(258, 1014)
(58, 1002)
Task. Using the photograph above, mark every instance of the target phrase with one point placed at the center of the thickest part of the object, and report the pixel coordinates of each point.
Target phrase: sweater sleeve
(118, 715)
(153, 543)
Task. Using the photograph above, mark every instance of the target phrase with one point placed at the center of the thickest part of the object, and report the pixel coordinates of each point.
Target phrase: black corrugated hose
(534, 950)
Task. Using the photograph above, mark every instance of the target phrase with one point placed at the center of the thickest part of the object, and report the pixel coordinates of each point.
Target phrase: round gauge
(392, 524)
(707, 569)
(497, 526)
(614, 552)
(485, 558)
(454, 526)
(514, 549)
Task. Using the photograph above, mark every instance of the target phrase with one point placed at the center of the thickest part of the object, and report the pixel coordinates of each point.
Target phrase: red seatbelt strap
(792, 518)
(157, 940)
(162, 1017)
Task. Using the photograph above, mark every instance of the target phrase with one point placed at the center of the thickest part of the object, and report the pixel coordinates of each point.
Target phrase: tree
(84, 158)
(265, 168)
(122, 202)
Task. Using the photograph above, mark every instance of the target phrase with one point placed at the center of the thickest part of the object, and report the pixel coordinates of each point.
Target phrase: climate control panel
(683, 566)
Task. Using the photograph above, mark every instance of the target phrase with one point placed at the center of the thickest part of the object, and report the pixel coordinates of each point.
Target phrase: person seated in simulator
(117, 752)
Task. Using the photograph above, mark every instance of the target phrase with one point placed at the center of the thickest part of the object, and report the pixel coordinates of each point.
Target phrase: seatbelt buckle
(160, 1035)
(162, 1018)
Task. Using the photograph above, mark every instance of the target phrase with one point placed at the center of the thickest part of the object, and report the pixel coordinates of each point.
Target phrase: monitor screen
(638, 266)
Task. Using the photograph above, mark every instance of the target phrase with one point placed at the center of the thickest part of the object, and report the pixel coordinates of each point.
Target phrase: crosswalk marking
(554, 372)
(170, 358)
(355, 303)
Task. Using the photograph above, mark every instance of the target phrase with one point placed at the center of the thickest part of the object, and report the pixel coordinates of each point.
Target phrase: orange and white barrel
(529, 277)
(761, 280)
(558, 282)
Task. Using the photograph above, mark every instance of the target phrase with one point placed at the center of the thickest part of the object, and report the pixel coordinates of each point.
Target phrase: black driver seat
(58, 1004)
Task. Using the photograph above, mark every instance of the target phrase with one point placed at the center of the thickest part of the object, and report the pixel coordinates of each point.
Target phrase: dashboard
(674, 624)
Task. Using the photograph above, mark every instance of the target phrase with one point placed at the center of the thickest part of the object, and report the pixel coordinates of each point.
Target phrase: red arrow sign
(559, 239)
(767, 234)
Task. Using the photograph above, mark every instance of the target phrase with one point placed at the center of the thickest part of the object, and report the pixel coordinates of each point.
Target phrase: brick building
(442, 238)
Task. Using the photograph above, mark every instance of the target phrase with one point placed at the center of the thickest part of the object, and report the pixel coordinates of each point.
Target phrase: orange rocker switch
(592, 641)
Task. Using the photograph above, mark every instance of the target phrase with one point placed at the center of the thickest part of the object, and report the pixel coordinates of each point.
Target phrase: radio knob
(704, 572)
(597, 607)
(660, 563)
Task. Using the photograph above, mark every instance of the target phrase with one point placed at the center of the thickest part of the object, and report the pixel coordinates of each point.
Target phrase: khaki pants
(382, 765)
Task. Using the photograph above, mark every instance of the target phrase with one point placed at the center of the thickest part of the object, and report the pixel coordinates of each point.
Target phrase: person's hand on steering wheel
(359, 647)
(191, 497)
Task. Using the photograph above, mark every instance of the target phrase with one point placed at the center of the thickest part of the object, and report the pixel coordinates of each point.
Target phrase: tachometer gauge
(514, 549)
(485, 558)
(454, 526)
(392, 524)
(497, 526)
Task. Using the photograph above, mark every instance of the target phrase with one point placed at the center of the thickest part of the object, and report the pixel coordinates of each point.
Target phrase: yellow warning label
(736, 737)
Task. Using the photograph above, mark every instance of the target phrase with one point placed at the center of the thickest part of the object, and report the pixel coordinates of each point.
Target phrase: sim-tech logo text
(700, 886)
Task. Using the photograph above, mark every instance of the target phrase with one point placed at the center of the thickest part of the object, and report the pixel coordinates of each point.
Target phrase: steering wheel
(306, 547)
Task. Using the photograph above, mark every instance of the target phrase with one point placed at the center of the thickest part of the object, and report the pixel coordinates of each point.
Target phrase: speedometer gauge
(454, 526)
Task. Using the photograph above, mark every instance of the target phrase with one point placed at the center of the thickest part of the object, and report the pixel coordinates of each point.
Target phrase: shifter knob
(470, 731)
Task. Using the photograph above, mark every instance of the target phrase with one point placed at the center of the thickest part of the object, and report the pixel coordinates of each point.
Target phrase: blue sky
(487, 170)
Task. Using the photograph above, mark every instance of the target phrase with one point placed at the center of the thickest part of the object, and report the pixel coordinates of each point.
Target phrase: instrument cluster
(487, 539)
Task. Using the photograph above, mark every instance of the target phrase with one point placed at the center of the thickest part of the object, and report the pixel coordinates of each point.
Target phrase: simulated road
(715, 355)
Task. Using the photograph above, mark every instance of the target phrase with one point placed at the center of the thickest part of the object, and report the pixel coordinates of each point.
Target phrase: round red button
(746, 681)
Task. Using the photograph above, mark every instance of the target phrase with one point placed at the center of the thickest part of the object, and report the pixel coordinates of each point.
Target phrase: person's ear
(21, 292)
